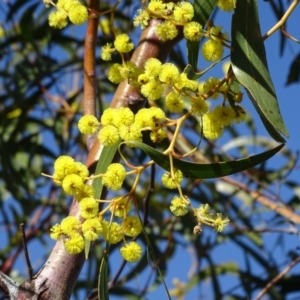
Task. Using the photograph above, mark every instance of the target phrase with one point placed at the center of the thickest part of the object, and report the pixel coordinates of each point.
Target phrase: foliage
(45, 85)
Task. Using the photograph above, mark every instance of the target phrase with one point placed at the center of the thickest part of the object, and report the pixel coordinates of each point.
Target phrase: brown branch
(33, 231)
(277, 278)
(279, 208)
(286, 34)
(89, 65)
(8, 263)
(9, 287)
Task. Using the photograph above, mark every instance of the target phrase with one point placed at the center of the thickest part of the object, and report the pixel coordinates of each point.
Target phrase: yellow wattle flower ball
(123, 116)
(183, 12)
(72, 184)
(142, 18)
(179, 206)
(199, 107)
(166, 31)
(185, 83)
(192, 31)
(88, 208)
(225, 115)
(86, 192)
(152, 90)
(156, 5)
(70, 225)
(112, 232)
(132, 226)
(130, 132)
(174, 102)
(106, 52)
(66, 4)
(58, 19)
(172, 183)
(78, 14)
(122, 43)
(220, 222)
(114, 74)
(81, 170)
(226, 5)
(211, 127)
(56, 232)
(91, 229)
(158, 136)
(107, 117)
(108, 135)
(212, 50)
(210, 84)
(114, 176)
(169, 74)
(75, 244)
(121, 207)
(152, 67)
(131, 252)
(88, 124)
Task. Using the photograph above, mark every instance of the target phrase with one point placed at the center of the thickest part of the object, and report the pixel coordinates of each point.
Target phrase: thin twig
(290, 230)
(280, 209)
(277, 278)
(147, 198)
(24, 242)
(286, 34)
(282, 21)
(113, 282)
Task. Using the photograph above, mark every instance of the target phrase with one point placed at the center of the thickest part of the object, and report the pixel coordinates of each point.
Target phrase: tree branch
(277, 278)
(9, 287)
(89, 65)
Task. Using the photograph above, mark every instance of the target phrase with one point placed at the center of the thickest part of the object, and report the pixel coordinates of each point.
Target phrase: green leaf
(249, 64)
(105, 159)
(203, 9)
(15, 7)
(294, 73)
(87, 245)
(26, 24)
(206, 171)
(103, 279)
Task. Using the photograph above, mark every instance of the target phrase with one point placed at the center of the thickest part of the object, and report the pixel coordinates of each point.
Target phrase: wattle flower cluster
(121, 124)
(159, 80)
(181, 14)
(75, 233)
(73, 10)
(155, 81)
